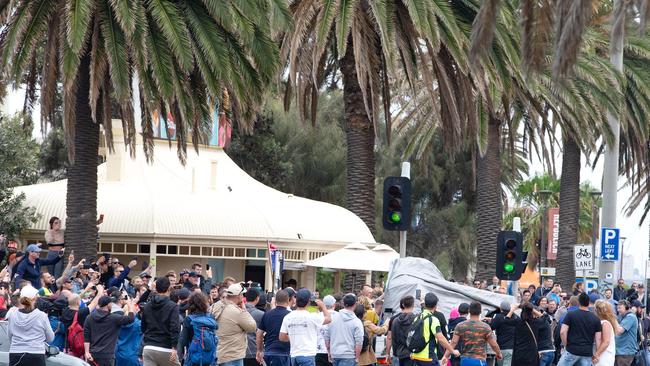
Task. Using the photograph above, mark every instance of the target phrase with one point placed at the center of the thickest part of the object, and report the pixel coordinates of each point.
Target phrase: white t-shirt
(302, 328)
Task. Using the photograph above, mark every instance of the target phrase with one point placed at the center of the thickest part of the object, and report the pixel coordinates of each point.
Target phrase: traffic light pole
(406, 172)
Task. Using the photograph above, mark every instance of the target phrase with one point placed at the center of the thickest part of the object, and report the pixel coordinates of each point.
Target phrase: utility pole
(406, 172)
(610, 168)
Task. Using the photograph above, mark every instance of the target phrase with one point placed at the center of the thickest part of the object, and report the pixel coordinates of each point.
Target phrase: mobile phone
(145, 264)
(134, 259)
(207, 267)
(101, 217)
(106, 256)
(418, 294)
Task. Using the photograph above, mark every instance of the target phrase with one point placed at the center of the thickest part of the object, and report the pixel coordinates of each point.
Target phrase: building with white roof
(208, 211)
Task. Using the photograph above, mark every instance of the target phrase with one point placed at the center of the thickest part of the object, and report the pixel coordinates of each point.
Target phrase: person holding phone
(29, 269)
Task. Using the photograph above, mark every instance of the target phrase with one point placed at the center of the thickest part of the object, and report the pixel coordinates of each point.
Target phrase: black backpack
(415, 340)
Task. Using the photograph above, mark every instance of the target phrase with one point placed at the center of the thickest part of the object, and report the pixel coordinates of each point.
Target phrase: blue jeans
(547, 359)
(344, 362)
(569, 359)
(277, 360)
(303, 361)
(233, 363)
(57, 269)
(468, 361)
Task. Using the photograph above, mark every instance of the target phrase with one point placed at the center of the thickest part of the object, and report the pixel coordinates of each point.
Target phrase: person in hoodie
(399, 327)
(252, 298)
(160, 327)
(234, 322)
(344, 337)
(127, 349)
(28, 330)
(101, 330)
(300, 328)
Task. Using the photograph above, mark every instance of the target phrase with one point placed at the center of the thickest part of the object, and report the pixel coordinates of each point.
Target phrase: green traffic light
(509, 267)
(395, 217)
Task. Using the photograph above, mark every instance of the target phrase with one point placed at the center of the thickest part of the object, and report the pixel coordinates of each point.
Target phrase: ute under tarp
(407, 275)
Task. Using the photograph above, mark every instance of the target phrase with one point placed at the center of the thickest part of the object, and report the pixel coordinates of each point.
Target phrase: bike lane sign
(583, 257)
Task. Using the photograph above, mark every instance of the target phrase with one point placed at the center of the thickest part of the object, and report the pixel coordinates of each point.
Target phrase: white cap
(29, 292)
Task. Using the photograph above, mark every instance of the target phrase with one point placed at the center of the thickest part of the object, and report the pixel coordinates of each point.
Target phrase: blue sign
(609, 239)
(592, 284)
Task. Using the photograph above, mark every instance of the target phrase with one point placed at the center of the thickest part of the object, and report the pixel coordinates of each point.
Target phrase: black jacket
(505, 330)
(160, 323)
(399, 329)
(102, 329)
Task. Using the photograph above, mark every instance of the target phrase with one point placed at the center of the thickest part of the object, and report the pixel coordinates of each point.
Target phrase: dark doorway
(255, 274)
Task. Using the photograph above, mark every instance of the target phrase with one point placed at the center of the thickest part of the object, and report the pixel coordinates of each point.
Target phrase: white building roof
(210, 197)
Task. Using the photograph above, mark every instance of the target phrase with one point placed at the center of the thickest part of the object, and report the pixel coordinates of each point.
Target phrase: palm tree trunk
(360, 138)
(569, 212)
(489, 204)
(81, 205)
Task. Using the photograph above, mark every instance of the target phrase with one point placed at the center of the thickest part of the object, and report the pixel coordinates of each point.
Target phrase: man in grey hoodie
(344, 338)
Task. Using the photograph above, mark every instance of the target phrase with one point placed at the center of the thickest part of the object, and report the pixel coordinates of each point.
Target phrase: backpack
(59, 332)
(76, 338)
(415, 340)
(202, 350)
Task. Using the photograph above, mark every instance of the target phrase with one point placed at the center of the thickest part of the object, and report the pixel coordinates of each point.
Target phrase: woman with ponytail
(29, 329)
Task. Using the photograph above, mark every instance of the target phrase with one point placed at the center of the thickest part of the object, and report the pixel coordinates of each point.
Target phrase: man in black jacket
(160, 327)
(505, 330)
(101, 330)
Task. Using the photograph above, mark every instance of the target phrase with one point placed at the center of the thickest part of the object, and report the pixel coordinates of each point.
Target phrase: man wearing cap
(101, 330)
(160, 326)
(504, 328)
(300, 328)
(30, 268)
(432, 329)
(274, 352)
(193, 281)
(344, 336)
(234, 322)
(292, 297)
(626, 334)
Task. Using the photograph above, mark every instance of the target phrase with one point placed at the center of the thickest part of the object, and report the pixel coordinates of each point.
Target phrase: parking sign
(609, 238)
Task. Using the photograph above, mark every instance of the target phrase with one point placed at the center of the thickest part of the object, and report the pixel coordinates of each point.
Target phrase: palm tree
(180, 56)
(365, 40)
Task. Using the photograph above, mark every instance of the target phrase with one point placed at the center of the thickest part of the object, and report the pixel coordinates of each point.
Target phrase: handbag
(535, 338)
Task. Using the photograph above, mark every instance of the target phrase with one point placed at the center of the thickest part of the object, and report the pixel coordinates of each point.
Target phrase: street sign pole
(406, 172)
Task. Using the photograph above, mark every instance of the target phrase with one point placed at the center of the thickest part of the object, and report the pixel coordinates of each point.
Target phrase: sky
(637, 236)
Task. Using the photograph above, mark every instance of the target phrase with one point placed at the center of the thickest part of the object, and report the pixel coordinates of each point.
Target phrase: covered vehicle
(54, 357)
(412, 276)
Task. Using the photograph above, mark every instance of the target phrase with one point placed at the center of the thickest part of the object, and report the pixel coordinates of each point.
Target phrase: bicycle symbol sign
(583, 257)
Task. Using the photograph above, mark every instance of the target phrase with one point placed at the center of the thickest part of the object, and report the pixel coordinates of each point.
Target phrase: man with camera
(101, 330)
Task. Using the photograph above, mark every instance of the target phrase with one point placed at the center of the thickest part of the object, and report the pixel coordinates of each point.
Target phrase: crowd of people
(108, 313)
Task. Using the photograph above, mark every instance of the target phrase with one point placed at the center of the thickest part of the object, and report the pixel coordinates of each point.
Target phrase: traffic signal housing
(397, 203)
(510, 255)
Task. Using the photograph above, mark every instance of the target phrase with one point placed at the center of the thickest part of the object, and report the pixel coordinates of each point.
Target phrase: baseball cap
(329, 301)
(183, 293)
(193, 274)
(290, 291)
(464, 307)
(303, 296)
(235, 289)
(87, 266)
(505, 306)
(29, 292)
(145, 275)
(33, 248)
(104, 300)
(349, 300)
(638, 304)
(593, 297)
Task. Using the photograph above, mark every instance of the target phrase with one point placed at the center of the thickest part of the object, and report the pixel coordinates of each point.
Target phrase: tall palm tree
(184, 55)
(365, 41)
